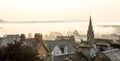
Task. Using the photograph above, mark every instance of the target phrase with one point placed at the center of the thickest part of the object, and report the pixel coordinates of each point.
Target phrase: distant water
(63, 27)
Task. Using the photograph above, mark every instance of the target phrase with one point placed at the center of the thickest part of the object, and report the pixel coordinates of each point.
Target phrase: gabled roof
(113, 55)
(8, 39)
(32, 43)
(50, 45)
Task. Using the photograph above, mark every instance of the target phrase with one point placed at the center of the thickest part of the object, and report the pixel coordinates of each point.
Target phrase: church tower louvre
(90, 32)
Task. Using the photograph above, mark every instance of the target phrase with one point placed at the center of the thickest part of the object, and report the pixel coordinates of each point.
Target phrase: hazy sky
(39, 10)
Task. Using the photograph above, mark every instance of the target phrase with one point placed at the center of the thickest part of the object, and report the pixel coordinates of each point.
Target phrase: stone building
(90, 33)
(93, 46)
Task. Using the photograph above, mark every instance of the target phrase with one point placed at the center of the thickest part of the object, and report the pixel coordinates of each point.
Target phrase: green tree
(18, 52)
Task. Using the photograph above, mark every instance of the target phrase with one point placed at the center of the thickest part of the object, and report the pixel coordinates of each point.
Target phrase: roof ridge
(110, 50)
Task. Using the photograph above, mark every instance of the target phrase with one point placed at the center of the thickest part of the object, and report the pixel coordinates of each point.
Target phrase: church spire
(90, 25)
(90, 33)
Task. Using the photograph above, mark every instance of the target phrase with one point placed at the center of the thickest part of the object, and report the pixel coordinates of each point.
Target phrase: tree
(18, 52)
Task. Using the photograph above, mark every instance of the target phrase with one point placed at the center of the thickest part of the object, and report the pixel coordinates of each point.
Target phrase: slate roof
(73, 57)
(8, 39)
(50, 45)
(103, 40)
(113, 55)
(87, 56)
(98, 40)
(35, 44)
(1, 39)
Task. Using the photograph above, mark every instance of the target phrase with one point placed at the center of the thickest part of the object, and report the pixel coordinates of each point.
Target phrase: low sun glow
(39, 10)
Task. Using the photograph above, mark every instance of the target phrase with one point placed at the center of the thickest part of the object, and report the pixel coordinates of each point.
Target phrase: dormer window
(56, 51)
(66, 49)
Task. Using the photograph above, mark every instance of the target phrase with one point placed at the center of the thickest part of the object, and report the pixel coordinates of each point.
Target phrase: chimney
(30, 35)
(72, 40)
(38, 37)
(22, 37)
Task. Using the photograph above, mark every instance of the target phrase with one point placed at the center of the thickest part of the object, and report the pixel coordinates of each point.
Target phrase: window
(66, 49)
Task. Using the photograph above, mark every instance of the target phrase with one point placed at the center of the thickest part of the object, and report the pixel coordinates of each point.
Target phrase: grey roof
(87, 56)
(32, 43)
(8, 39)
(113, 55)
(50, 45)
(73, 57)
(98, 40)
(103, 40)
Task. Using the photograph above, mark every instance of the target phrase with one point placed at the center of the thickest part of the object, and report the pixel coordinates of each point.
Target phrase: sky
(47, 10)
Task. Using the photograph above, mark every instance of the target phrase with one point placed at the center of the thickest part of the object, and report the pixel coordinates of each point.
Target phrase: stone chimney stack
(38, 37)
(72, 40)
(22, 37)
(30, 35)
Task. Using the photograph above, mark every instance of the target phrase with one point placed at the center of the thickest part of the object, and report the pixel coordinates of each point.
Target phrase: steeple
(90, 25)
(90, 32)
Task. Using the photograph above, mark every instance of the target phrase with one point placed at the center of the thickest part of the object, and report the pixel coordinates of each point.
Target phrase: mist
(63, 27)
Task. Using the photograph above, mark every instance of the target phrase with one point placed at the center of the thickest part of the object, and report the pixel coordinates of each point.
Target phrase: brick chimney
(38, 37)
(22, 37)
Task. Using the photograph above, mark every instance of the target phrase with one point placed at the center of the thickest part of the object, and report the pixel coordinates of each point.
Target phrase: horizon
(29, 16)
(62, 27)
(73, 20)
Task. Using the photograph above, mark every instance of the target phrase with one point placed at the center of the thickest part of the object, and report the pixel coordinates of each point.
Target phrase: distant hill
(109, 25)
(60, 21)
(1, 21)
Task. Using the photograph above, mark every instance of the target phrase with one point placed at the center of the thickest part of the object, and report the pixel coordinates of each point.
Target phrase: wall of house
(42, 51)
